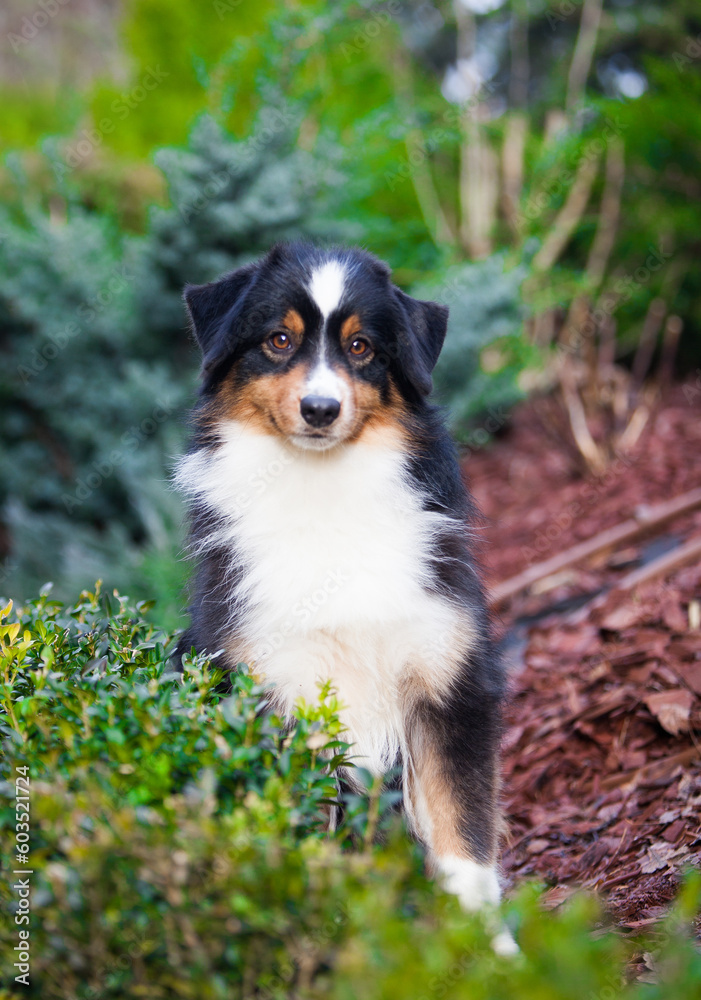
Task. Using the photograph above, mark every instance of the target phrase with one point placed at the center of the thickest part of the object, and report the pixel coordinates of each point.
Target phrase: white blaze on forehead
(323, 381)
(326, 286)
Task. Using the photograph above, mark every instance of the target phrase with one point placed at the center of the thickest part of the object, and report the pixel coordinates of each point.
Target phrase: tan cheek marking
(222, 405)
(294, 323)
(367, 398)
(284, 400)
(240, 403)
(269, 403)
(383, 422)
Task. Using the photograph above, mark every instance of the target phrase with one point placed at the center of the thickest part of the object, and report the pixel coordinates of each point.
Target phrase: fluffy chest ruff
(330, 563)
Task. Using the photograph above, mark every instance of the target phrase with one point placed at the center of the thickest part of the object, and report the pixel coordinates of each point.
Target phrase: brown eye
(280, 342)
(359, 347)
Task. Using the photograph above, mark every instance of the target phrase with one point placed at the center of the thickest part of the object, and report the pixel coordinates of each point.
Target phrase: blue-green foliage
(486, 311)
(99, 367)
(88, 407)
(230, 202)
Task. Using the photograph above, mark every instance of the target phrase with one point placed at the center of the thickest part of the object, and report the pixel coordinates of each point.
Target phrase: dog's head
(314, 345)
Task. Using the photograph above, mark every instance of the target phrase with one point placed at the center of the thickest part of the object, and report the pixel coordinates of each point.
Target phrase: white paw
(504, 945)
(475, 885)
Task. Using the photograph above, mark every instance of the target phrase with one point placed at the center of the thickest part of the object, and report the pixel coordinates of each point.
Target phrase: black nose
(318, 411)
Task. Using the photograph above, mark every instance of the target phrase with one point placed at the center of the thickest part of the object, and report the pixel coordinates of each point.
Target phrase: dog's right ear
(213, 308)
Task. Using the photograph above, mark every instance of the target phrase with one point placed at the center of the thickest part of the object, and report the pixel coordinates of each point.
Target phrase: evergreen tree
(230, 202)
(99, 367)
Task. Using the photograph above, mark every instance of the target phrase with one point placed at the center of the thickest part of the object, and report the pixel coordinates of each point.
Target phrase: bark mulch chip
(602, 750)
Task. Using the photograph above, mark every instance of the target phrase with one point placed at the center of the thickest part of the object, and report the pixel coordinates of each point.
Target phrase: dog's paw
(503, 944)
(475, 885)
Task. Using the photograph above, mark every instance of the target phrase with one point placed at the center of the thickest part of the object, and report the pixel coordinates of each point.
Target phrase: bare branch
(608, 216)
(569, 215)
(583, 51)
(586, 444)
(670, 342)
(646, 519)
(512, 158)
(479, 189)
(648, 339)
(421, 177)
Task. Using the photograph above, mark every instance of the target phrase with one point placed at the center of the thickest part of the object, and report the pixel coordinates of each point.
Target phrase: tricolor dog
(331, 528)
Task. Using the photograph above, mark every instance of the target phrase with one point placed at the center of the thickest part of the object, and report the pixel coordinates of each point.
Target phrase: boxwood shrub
(179, 846)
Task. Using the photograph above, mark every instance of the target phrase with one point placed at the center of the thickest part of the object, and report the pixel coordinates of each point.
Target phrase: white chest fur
(333, 550)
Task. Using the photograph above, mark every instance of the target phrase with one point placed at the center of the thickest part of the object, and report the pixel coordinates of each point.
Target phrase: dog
(330, 524)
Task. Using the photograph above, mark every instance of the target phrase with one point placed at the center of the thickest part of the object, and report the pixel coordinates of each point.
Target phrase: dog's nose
(319, 411)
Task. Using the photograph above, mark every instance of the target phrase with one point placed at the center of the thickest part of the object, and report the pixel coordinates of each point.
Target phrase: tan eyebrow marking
(294, 322)
(351, 326)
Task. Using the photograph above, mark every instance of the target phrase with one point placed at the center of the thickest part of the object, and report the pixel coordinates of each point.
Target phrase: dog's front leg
(451, 787)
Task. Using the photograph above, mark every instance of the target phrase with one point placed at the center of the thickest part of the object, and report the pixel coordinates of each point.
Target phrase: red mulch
(602, 755)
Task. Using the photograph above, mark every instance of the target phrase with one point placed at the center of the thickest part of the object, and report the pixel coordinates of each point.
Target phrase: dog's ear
(425, 328)
(213, 309)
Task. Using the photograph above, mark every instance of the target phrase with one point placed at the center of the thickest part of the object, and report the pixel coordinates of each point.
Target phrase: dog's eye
(359, 348)
(280, 342)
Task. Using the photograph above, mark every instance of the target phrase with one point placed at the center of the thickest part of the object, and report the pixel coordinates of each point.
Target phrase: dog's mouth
(315, 440)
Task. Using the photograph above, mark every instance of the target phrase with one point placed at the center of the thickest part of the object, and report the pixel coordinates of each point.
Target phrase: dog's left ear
(212, 309)
(425, 329)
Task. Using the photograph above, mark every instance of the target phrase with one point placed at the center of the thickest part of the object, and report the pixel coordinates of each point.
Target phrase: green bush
(178, 846)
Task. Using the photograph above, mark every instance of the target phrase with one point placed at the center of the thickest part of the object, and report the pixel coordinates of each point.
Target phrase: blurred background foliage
(533, 164)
